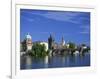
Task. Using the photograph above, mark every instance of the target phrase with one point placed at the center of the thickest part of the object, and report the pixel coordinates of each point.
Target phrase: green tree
(39, 50)
(83, 45)
(71, 45)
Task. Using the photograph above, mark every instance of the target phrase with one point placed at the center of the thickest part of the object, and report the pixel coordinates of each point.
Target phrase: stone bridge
(61, 51)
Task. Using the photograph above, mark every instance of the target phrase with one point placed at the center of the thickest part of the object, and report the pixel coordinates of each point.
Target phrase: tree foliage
(71, 45)
(39, 49)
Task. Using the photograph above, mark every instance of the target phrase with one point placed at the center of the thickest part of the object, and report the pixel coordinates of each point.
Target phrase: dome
(28, 36)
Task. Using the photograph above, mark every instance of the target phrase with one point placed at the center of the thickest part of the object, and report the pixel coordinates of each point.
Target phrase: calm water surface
(28, 62)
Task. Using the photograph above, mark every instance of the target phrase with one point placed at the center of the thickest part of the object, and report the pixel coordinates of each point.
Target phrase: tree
(71, 45)
(83, 45)
(39, 50)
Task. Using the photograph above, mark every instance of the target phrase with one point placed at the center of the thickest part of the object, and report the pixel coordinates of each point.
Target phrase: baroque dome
(28, 36)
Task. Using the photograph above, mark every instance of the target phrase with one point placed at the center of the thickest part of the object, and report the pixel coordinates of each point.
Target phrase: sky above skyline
(71, 25)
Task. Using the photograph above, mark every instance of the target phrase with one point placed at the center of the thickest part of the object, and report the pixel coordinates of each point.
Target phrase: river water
(58, 61)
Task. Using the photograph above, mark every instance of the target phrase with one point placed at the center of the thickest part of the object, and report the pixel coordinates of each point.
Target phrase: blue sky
(72, 25)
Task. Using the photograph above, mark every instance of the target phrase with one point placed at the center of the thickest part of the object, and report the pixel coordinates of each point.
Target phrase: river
(57, 61)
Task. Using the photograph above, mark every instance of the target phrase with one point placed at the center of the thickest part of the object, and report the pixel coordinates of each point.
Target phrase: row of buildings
(51, 44)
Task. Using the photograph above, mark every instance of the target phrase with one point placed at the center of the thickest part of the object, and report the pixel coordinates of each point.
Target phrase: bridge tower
(50, 42)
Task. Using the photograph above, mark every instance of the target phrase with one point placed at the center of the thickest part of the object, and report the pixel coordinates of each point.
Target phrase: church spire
(63, 41)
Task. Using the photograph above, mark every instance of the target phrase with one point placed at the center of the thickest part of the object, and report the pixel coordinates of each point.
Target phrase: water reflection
(46, 61)
(28, 62)
(63, 60)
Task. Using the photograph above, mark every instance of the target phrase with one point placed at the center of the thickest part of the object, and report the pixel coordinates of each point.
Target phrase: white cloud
(71, 17)
(61, 16)
(84, 32)
(85, 29)
(28, 19)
